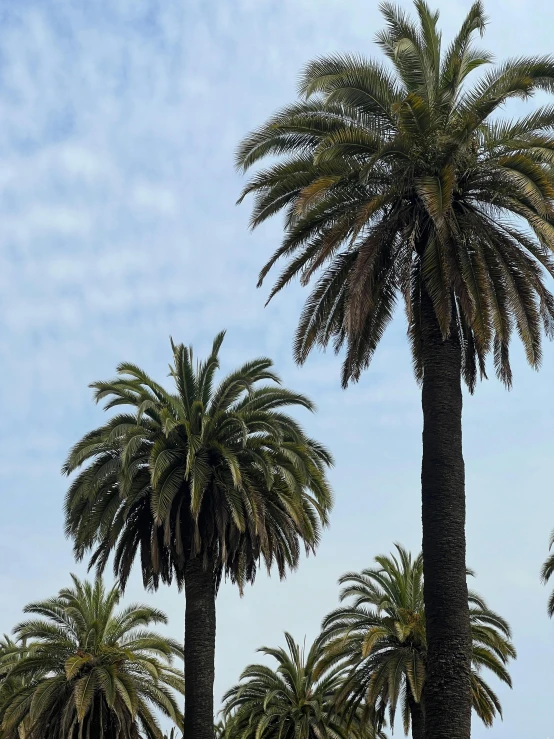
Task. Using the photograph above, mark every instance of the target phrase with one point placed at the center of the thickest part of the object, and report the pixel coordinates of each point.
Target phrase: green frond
(546, 574)
(294, 698)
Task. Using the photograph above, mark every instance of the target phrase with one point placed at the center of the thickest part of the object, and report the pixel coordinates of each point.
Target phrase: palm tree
(379, 638)
(205, 481)
(294, 701)
(396, 182)
(91, 671)
(546, 573)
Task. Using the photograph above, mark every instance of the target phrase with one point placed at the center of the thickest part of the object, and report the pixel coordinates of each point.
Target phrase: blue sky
(118, 122)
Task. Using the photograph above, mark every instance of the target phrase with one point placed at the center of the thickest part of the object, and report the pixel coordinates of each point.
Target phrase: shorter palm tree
(546, 573)
(295, 701)
(90, 671)
(379, 639)
(199, 482)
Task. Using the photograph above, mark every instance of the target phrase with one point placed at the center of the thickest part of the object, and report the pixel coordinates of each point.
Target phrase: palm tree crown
(216, 472)
(295, 701)
(11, 653)
(380, 639)
(396, 182)
(90, 671)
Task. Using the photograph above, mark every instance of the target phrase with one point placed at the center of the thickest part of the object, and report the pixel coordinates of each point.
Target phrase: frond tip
(546, 574)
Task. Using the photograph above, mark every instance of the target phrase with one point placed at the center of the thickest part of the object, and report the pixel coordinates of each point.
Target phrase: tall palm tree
(294, 701)
(379, 638)
(90, 670)
(546, 573)
(203, 481)
(397, 181)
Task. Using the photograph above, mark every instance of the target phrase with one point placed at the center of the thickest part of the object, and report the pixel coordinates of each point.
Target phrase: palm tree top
(395, 583)
(218, 471)
(398, 180)
(89, 669)
(294, 700)
(379, 638)
(86, 615)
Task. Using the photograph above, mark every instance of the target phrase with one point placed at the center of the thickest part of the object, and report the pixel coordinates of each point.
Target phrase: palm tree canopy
(379, 639)
(220, 472)
(11, 652)
(91, 671)
(546, 574)
(294, 701)
(399, 179)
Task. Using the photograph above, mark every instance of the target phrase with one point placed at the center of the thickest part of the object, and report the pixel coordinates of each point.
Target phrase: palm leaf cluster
(399, 180)
(11, 653)
(379, 639)
(295, 700)
(217, 472)
(83, 670)
(546, 574)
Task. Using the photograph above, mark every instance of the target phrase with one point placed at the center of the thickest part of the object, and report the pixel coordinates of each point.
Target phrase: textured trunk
(417, 718)
(447, 684)
(199, 650)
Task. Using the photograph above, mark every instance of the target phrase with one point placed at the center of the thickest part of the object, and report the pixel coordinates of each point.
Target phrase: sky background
(118, 228)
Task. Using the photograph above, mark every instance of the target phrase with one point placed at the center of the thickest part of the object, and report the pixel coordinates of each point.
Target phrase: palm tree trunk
(417, 718)
(199, 650)
(447, 684)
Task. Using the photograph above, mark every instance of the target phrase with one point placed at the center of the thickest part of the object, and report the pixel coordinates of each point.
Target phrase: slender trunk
(447, 684)
(417, 718)
(199, 650)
